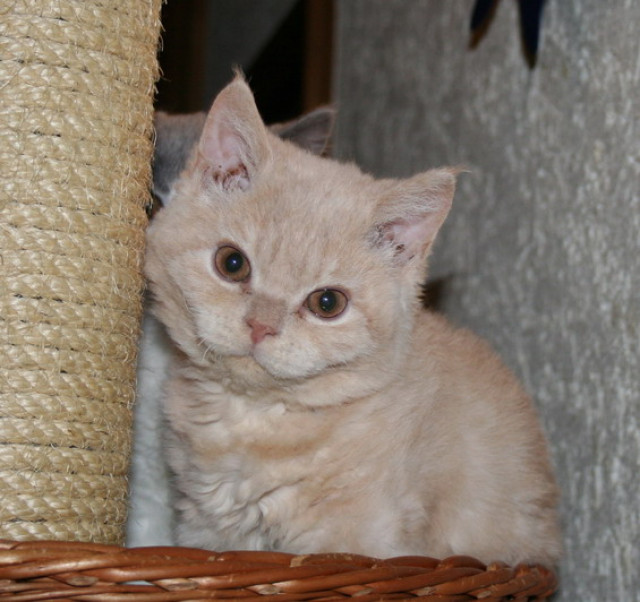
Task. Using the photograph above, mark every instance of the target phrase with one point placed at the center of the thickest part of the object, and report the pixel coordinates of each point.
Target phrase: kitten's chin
(246, 370)
(330, 386)
(259, 370)
(284, 370)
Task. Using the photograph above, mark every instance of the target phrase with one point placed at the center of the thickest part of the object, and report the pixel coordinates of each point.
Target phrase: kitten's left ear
(411, 215)
(234, 140)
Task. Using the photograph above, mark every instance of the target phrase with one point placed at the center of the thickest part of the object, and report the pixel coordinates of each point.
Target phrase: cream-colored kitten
(313, 404)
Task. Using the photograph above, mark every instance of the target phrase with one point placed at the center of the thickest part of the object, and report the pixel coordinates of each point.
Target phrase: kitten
(150, 515)
(313, 405)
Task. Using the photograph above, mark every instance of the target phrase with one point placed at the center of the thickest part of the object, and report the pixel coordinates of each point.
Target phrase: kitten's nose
(259, 331)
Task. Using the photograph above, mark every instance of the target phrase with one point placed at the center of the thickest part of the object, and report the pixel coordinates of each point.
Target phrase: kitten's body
(381, 430)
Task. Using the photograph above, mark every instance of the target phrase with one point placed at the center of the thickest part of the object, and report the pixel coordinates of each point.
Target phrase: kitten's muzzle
(260, 331)
(265, 317)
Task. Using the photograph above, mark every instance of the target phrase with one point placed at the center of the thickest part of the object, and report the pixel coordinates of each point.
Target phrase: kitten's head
(272, 261)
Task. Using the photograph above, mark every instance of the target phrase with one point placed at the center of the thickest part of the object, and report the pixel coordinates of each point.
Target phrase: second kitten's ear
(176, 136)
(411, 215)
(312, 131)
(234, 140)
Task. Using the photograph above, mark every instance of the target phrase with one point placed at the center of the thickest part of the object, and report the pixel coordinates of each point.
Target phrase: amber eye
(231, 264)
(327, 303)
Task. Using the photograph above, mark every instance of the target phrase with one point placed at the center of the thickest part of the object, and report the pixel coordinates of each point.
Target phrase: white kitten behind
(313, 404)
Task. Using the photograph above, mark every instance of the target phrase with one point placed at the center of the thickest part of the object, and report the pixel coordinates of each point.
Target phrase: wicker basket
(75, 571)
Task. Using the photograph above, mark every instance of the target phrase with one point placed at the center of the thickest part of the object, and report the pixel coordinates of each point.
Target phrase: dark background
(284, 48)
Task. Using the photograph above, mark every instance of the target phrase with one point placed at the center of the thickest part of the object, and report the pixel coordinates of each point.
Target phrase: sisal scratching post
(76, 86)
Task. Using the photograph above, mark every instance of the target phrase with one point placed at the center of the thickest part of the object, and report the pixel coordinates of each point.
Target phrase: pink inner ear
(409, 237)
(223, 148)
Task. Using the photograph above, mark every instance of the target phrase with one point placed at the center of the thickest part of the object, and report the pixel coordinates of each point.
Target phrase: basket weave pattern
(69, 571)
(76, 87)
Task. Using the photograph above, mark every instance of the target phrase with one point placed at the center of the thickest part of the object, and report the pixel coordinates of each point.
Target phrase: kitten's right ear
(312, 131)
(234, 142)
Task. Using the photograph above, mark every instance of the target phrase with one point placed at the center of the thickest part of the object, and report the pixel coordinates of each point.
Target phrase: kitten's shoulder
(436, 330)
(463, 358)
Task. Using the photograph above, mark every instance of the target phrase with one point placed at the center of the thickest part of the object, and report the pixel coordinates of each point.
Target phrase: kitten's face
(284, 260)
(283, 274)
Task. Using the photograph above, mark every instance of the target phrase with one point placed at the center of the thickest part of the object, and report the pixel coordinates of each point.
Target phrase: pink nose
(259, 331)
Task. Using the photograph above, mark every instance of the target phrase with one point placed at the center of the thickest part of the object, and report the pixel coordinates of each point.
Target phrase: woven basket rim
(49, 570)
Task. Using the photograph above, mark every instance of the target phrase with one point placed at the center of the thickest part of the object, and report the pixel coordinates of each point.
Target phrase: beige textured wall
(540, 254)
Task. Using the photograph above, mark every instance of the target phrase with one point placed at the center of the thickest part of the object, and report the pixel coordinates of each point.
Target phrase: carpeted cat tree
(76, 91)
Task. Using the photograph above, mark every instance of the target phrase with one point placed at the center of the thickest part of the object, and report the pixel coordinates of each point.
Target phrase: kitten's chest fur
(260, 472)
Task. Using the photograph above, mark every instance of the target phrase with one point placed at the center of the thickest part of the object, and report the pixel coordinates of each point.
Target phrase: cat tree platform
(76, 123)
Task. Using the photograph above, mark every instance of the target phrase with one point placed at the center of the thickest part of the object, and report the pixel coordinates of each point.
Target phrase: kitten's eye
(231, 264)
(327, 303)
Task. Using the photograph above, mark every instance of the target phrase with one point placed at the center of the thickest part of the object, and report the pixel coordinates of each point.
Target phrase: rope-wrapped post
(76, 90)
